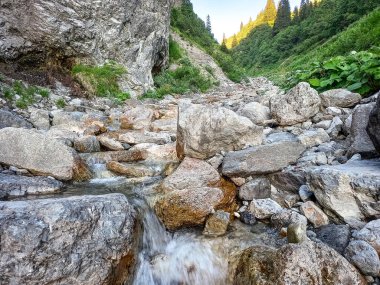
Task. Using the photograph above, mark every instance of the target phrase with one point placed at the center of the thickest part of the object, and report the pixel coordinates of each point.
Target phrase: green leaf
(355, 86)
(315, 82)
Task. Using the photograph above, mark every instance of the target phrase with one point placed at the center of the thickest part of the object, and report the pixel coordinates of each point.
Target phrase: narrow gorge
(103, 183)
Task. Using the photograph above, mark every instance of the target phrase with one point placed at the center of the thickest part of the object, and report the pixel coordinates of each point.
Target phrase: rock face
(40, 155)
(297, 106)
(136, 35)
(340, 98)
(306, 263)
(77, 240)
(263, 159)
(361, 142)
(350, 190)
(8, 119)
(13, 185)
(373, 128)
(203, 131)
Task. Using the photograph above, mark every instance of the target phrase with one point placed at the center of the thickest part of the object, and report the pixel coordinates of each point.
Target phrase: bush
(103, 79)
(358, 71)
(175, 51)
(60, 103)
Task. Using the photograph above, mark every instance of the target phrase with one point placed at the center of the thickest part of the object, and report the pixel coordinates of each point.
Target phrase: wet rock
(258, 188)
(297, 106)
(132, 170)
(95, 38)
(312, 138)
(16, 185)
(364, 257)
(296, 232)
(217, 224)
(87, 144)
(76, 240)
(256, 112)
(341, 98)
(314, 214)
(350, 190)
(155, 152)
(361, 142)
(40, 155)
(138, 118)
(371, 234)
(138, 137)
(40, 118)
(264, 208)
(204, 131)
(110, 143)
(8, 119)
(335, 236)
(261, 159)
(373, 127)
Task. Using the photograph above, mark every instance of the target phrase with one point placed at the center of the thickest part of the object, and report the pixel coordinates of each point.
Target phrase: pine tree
(241, 26)
(223, 46)
(283, 18)
(270, 12)
(250, 19)
(234, 41)
(304, 9)
(208, 24)
(296, 15)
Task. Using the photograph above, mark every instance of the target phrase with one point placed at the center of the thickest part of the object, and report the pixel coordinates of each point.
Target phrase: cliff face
(133, 33)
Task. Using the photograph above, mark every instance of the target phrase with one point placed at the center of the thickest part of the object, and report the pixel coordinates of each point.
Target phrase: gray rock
(8, 119)
(256, 112)
(324, 124)
(216, 161)
(371, 234)
(340, 98)
(361, 142)
(111, 144)
(87, 144)
(296, 233)
(350, 190)
(137, 137)
(312, 138)
(286, 217)
(15, 185)
(204, 131)
(373, 127)
(297, 106)
(289, 179)
(40, 155)
(264, 208)
(334, 111)
(335, 236)
(364, 257)
(305, 193)
(138, 118)
(281, 137)
(335, 128)
(40, 118)
(217, 224)
(258, 188)
(313, 158)
(247, 218)
(136, 37)
(261, 159)
(77, 240)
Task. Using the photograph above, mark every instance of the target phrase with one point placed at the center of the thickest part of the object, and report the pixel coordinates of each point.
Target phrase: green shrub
(44, 92)
(358, 71)
(60, 103)
(175, 51)
(8, 93)
(102, 79)
(186, 78)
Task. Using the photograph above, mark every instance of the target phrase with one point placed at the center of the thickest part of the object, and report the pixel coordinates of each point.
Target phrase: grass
(175, 51)
(186, 78)
(60, 103)
(102, 80)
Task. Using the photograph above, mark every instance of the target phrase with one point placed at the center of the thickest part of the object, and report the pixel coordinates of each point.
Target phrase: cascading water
(167, 259)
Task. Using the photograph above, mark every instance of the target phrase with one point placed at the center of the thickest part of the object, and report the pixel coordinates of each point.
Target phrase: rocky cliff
(134, 33)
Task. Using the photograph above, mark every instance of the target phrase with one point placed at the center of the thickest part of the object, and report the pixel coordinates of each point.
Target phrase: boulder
(85, 33)
(40, 118)
(164, 125)
(204, 131)
(296, 106)
(110, 143)
(40, 155)
(77, 240)
(263, 159)
(15, 185)
(312, 138)
(373, 128)
(360, 140)
(132, 170)
(371, 234)
(138, 137)
(281, 137)
(9, 119)
(138, 118)
(256, 112)
(264, 208)
(364, 257)
(87, 144)
(335, 236)
(349, 191)
(314, 214)
(217, 224)
(257, 188)
(304, 263)
(341, 98)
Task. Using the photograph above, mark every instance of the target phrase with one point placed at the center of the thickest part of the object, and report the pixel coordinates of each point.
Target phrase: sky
(226, 15)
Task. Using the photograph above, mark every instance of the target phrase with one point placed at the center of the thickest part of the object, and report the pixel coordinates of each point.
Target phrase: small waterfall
(178, 259)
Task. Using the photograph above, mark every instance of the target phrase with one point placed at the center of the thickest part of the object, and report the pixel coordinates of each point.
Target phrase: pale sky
(226, 15)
